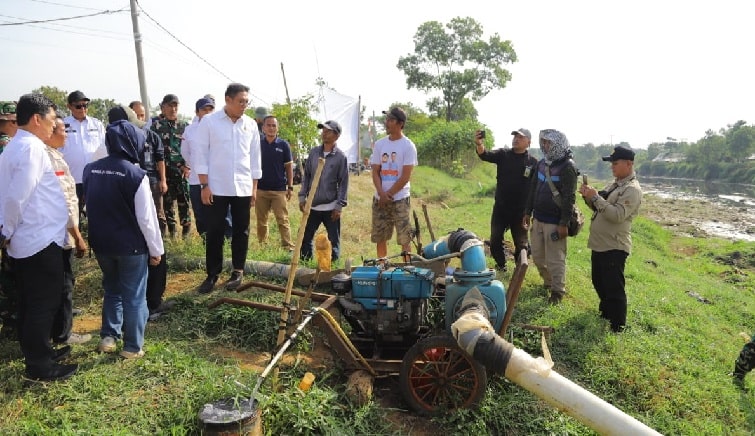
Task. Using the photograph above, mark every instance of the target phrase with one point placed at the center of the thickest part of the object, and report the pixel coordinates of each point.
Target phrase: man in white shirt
(85, 136)
(393, 159)
(229, 164)
(34, 217)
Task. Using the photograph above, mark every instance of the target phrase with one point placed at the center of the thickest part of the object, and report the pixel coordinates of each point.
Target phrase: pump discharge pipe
(477, 337)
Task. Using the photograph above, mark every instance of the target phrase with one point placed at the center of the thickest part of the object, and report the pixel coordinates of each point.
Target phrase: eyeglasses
(81, 105)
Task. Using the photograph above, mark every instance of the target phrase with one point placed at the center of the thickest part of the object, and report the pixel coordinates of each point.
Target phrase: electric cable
(107, 12)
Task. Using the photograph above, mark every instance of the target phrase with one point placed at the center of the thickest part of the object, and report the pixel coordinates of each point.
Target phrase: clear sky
(600, 71)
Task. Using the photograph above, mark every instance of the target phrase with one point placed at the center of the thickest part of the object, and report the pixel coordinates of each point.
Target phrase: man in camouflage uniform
(745, 362)
(8, 306)
(171, 130)
(8, 125)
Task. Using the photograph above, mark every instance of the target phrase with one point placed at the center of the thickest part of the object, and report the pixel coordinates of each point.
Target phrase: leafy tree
(455, 60)
(58, 96)
(98, 107)
(416, 120)
(465, 111)
(296, 125)
(741, 143)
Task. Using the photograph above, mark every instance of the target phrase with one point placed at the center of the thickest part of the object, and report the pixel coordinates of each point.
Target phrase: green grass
(669, 369)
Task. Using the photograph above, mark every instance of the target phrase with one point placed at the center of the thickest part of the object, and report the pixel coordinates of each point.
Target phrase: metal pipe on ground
(477, 337)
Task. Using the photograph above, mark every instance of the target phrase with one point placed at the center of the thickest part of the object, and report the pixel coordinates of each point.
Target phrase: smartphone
(482, 134)
(584, 179)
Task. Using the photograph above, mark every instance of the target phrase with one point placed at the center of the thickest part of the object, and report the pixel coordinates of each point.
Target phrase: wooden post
(427, 220)
(297, 251)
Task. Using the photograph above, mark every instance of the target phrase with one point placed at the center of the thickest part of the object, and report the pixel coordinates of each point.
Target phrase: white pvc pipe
(536, 376)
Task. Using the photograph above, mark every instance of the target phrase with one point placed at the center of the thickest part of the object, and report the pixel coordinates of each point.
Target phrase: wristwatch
(202, 185)
(290, 188)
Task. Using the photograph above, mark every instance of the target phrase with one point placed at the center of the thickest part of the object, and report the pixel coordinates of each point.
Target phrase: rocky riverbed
(726, 216)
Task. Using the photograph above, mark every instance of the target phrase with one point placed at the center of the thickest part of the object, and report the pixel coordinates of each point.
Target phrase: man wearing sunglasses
(8, 124)
(85, 135)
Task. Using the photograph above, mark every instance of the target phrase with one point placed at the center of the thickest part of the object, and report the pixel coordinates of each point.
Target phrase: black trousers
(324, 217)
(40, 287)
(61, 328)
(608, 280)
(502, 219)
(216, 225)
(157, 278)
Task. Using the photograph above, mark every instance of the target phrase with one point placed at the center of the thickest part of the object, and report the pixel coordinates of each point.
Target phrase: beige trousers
(275, 201)
(549, 256)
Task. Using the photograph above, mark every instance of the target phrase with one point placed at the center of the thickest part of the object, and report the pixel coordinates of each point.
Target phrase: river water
(726, 209)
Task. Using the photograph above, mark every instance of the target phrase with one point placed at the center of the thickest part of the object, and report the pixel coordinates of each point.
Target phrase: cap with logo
(77, 96)
(523, 132)
(122, 112)
(8, 110)
(330, 125)
(169, 99)
(396, 113)
(202, 102)
(620, 152)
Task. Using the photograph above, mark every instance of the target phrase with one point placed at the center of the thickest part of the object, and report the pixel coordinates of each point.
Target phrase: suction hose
(477, 337)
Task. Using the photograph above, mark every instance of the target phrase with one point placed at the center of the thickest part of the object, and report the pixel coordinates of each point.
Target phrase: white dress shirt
(146, 218)
(187, 151)
(228, 153)
(84, 138)
(33, 208)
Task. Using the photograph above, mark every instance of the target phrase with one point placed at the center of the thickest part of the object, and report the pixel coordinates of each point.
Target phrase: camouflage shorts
(384, 219)
(746, 360)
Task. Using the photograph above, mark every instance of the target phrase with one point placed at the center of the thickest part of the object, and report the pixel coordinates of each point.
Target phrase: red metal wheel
(436, 376)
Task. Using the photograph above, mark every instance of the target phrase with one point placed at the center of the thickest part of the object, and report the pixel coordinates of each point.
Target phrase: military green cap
(8, 110)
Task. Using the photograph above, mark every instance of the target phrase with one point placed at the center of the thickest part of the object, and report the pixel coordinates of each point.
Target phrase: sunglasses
(81, 105)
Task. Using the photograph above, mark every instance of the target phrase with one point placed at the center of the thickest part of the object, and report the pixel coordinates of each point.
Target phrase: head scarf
(125, 140)
(559, 145)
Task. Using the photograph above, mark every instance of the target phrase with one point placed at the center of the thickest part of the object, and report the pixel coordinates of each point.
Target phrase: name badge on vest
(527, 171)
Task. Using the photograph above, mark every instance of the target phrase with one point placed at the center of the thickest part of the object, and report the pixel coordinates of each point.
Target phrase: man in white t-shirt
(393, 159)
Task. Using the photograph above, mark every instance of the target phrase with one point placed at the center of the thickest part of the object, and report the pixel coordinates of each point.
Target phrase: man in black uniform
(515, 169)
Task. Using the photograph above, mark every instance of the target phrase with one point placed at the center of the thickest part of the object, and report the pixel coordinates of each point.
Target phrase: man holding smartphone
(515, 169)
(610, 239)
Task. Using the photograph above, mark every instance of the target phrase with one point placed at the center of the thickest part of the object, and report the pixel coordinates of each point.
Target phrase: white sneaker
(107, 345)
(76, 338)
(132, 354)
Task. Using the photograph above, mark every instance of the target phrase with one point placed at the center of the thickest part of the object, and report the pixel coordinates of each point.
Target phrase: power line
(86, 31)
(190, 49)
(63, 19)
(65, 5)
(182, 43)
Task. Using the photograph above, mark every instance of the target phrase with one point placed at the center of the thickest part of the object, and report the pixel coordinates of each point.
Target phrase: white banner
(345, 110)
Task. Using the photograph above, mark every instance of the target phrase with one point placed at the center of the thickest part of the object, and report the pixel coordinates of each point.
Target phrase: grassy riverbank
(690, 301)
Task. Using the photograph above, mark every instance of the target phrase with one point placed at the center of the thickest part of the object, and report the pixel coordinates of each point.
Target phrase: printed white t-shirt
(392, 156)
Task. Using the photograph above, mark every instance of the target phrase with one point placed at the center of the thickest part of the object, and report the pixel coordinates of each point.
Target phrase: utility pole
(139, 59)
(283, 72)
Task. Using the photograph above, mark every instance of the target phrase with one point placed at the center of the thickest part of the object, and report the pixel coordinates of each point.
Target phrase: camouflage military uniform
(171, 133)
(7, 114)
(746, 360)
(8, 299)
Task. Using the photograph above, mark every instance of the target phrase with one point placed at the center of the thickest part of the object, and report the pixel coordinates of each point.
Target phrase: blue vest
(110, 185)
(545, 208)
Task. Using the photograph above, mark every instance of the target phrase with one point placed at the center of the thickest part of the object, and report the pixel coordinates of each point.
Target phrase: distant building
(669, 156)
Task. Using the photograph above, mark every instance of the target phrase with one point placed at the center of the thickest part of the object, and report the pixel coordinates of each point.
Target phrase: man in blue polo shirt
(276, 185)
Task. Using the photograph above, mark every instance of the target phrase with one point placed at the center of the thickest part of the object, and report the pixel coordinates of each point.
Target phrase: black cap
(330, 125)
(397, 113)
(169, 98)
(77, 96)
(620, 152)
